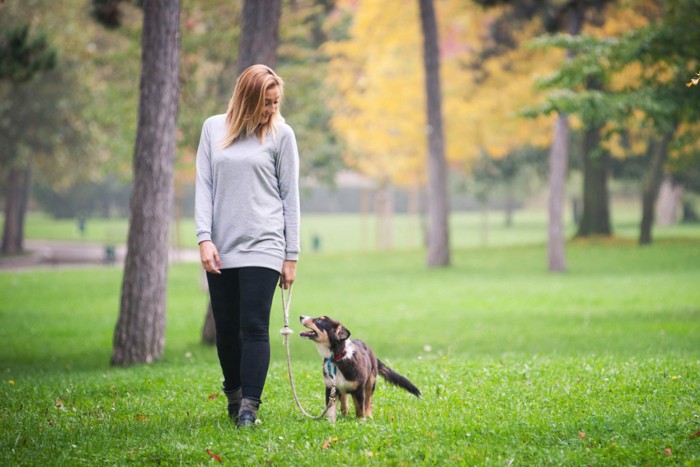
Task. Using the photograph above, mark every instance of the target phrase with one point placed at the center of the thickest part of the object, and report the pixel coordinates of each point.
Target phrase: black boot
(234, 403)
(248, 413)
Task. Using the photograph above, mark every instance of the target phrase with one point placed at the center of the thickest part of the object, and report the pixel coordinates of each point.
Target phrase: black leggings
(241, 299)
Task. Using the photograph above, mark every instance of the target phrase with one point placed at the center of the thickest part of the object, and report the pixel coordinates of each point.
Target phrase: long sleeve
(204, 188)
(287, 167)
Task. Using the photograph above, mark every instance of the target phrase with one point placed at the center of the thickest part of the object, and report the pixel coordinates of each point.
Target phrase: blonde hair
(247, 104)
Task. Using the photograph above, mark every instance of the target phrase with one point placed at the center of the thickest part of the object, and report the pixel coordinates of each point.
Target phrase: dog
(349, 365)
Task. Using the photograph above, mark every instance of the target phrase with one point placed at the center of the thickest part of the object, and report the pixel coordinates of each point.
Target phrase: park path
(52, 254)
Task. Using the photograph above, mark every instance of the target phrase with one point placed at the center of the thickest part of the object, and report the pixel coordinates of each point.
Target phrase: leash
(286, 331)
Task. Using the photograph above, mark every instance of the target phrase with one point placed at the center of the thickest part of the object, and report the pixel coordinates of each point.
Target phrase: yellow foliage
(379, 109)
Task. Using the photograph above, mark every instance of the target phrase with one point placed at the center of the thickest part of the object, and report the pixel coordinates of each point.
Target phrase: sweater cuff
(203, 237)
(291, 256)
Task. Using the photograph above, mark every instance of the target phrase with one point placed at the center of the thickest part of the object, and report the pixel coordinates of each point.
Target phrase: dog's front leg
(331, 413)
(344, 403)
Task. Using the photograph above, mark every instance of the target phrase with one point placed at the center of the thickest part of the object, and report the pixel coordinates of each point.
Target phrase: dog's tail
(396, 379)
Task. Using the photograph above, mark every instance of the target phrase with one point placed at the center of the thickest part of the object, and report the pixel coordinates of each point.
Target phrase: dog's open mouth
(308, 334)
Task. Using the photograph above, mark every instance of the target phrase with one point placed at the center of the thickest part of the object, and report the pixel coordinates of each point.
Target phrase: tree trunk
(595, 219)
(140, 332)
(509, 209)
(438, 233)
(259, 35)
(652, 183)
(669, 202)
(558, 162)
(209, 328)
(257, 44)
(16, 199)
(384, 215)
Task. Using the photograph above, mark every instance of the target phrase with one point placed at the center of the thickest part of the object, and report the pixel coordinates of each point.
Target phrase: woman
(247, 220)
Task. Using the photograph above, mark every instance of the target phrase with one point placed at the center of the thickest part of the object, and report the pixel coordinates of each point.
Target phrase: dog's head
(324, 331)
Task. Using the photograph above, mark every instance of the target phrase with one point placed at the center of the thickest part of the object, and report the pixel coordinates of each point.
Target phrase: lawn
(599, 366)
(352, 232)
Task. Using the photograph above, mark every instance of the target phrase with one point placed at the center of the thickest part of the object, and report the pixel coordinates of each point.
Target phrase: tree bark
(558, 162)
(209, 328)
(652, 184)
(257, 44)
(16, 199)
(260, 31)
(139, 336)
(669, 202)
(438, 230)
(595, 219)
(384, 215)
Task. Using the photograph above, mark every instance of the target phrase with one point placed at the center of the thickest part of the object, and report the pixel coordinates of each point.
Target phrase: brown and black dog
(350, 366)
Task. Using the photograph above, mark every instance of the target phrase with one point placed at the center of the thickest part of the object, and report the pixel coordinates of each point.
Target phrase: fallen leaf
(140, 418)
(327, 443)
(12, 381)
(667, 452)
(59, 404)
(581, 435)
(695, 435)
(216, 457)
(213, 396)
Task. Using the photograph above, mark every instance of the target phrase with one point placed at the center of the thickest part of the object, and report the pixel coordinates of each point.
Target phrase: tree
(22, 59)
(259, 38)
(643, 98)
(558, 167)
(669, 49)
(140, 331)
(438, 233)
(571, 17)
(258, 44)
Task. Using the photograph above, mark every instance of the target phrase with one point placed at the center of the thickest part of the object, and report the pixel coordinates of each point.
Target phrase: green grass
(599, 366)
(351, 232)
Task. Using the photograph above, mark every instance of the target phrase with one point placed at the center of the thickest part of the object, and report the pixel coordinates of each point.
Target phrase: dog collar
(339, 356)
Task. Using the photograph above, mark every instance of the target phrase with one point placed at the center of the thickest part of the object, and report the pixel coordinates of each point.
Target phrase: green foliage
(107, 12)
(304, 66)
(517, 366)
(22, 57)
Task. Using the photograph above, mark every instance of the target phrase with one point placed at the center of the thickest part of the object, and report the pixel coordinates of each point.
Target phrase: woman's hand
(210, 257)
(289, 273)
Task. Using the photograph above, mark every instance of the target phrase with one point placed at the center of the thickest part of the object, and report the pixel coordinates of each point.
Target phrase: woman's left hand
(289, 273)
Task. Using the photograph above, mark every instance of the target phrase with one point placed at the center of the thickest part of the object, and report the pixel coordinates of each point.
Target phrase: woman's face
(272, 102)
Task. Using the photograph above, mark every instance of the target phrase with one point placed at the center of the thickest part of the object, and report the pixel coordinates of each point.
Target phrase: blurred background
(618, 72)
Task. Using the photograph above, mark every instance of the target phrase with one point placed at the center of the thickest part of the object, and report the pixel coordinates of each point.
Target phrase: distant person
(247, 220)
(81, 222)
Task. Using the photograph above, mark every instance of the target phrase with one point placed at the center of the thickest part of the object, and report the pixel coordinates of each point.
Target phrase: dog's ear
(342, 333)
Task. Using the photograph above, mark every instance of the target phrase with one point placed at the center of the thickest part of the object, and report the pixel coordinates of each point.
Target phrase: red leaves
(216, 457)
(326, 444)
(213, 396)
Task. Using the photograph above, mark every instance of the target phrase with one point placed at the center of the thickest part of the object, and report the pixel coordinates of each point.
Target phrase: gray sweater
(247, 196)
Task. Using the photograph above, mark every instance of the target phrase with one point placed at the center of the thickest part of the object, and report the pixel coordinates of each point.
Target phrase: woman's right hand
(210, 257)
